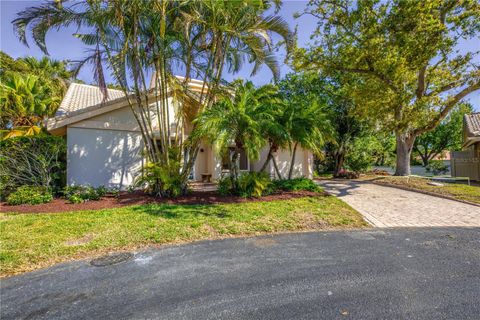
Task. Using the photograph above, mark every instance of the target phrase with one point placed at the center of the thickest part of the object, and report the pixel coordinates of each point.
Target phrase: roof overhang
(58, 124)
(471, 141)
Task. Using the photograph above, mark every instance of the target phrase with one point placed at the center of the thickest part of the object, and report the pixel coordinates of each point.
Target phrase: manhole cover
(111, 259)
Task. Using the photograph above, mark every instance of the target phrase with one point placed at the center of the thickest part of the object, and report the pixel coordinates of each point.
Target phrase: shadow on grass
(171, 211)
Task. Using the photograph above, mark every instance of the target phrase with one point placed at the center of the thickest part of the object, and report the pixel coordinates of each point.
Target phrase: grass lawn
(455, 190)
(31, 241)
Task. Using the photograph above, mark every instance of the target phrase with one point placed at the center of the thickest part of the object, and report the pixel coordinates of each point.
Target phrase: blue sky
(62, 45)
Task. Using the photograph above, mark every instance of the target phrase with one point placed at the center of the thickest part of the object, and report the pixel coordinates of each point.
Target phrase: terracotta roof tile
(81, 96)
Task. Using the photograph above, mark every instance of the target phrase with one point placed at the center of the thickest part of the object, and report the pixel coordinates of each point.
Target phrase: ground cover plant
(455, 190)
(31, 241)
(78, 194)
(30, 195)
(258, 184)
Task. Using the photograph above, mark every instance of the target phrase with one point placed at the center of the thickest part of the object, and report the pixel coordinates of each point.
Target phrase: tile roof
(81, 96)
(472, 124)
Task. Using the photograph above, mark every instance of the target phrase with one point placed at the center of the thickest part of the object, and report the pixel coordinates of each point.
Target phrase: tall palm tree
(235, 123)
(137, 38)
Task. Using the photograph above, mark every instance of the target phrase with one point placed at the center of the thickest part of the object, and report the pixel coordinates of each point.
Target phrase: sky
(62, 46)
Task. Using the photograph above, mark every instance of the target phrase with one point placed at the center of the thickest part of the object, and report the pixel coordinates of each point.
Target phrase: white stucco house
(105, 147)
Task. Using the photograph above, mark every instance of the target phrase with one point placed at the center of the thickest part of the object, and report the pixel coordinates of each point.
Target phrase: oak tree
(407, 55)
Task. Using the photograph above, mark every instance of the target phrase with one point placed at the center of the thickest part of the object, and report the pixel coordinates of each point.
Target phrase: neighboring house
(466, 163)
(105, 147)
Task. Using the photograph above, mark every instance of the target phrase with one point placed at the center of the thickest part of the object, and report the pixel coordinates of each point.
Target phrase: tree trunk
(425, 156)
(292, 163)
(234, 170)
(276, 168)
(404, 151)
(425, 160)
(339, 161)
(267, 161)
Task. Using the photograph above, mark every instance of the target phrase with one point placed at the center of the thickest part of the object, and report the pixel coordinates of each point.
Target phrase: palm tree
(25, 102)
(136, 38)
(235, 123)
(54, 72)
(308, 126)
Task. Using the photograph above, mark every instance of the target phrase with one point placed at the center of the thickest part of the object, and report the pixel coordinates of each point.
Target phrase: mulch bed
(137, 198)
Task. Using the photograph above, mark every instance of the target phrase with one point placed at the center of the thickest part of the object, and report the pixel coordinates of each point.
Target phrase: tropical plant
(137, 38)
(54, 73)
(31, 90)
(254, 184)
(160, 179)
(405, 54)
(25, 102)
(235, 123)
(304, 116)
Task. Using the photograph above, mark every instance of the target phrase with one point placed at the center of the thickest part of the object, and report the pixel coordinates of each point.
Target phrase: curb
(427, 193)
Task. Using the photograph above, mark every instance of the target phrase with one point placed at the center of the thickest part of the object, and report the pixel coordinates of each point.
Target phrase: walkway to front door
(390, 207)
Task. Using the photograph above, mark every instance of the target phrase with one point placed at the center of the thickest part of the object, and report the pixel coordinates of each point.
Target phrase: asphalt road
(375, 274)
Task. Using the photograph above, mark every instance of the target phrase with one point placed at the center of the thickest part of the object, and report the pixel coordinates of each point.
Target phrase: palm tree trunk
(267, 161)
(276, 168)
(292, 163)
(234, 169)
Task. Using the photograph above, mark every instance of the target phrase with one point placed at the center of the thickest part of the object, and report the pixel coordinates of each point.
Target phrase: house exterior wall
(108, 150)
(121, 119)
(303, 165)
(98, 157)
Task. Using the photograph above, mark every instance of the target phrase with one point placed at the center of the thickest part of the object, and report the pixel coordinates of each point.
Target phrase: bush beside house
(32, 161)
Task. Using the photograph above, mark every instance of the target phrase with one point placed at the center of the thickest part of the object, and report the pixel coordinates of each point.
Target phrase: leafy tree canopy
(447, 136)
(31, 91)
(405, 53)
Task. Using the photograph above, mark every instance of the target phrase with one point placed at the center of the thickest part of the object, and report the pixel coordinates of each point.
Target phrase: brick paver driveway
(390, 207)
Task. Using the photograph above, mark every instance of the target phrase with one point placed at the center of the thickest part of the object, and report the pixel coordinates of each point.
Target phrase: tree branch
(447, 87)
(372, 72)
(421, 82)
(448, 106)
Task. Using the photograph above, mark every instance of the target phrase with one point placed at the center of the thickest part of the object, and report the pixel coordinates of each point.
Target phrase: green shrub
(161, 180)
(436, 167)
(254, 184)
(250, 184)
(30, 195)
(79, 194)
(298, 184)
(224, 186)
(32, 160)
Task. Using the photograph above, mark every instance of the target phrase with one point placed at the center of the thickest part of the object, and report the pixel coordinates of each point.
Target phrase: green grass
(455, 190)
(31, 241)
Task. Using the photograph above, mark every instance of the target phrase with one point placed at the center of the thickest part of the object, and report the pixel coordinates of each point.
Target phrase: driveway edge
(426, 192)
